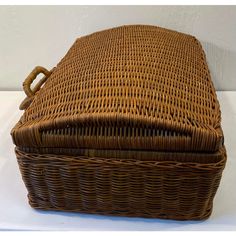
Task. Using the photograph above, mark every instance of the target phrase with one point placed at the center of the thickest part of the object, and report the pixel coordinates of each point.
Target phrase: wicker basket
(128, 123)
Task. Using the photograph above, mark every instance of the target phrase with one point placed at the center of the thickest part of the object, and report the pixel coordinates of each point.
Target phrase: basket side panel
(167, 190)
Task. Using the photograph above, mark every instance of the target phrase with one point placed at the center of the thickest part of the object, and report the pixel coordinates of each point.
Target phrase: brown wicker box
(128, 123)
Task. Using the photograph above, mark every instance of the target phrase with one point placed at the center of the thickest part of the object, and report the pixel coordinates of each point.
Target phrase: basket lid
(130, 87)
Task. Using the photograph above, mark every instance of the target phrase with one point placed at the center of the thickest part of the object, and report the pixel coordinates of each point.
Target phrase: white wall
(41, 35)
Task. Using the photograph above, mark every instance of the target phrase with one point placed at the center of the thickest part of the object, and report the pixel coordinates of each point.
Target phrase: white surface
(41, 35)
(17, 214)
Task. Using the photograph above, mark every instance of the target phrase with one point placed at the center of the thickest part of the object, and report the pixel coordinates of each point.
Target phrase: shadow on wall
(222, 65)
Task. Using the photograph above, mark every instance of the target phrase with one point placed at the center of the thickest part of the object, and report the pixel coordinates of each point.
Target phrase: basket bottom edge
(124, 213)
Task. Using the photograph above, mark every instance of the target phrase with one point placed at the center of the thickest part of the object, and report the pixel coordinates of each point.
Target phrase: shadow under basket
(126, 124)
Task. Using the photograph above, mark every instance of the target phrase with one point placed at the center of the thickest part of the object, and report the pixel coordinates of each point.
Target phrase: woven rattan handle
(31, 77)
(29, 80)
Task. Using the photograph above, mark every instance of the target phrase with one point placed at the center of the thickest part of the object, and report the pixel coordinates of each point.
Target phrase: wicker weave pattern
(122, 186)
(135, 87)
(128, 123)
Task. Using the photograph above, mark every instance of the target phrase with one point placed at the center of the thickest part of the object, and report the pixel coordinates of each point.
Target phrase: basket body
(180, 190)
(128, 123)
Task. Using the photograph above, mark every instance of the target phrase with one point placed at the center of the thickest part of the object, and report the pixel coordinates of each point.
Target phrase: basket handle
(29, 80)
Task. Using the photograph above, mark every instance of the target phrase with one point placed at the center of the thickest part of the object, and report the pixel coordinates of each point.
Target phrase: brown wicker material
(128, 123)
